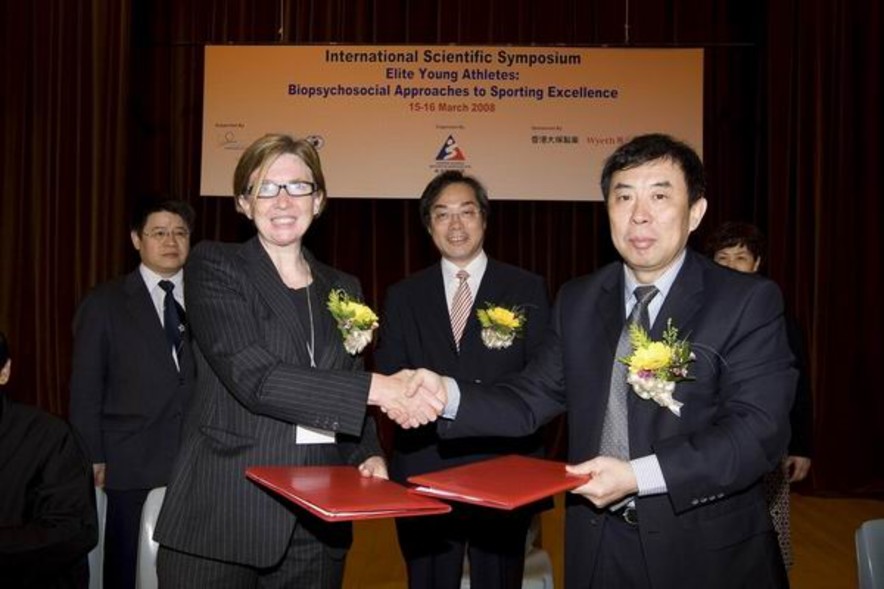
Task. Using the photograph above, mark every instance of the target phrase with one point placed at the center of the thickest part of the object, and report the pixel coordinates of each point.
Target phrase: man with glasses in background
(430, 320)
(132, 377)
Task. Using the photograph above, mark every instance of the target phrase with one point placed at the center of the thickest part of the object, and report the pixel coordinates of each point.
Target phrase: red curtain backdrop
(101, 104)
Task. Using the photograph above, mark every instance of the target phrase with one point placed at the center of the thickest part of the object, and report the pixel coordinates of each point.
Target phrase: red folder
(340, 493)
(506, 482)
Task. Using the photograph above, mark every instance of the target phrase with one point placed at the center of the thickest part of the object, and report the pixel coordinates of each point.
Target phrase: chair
(870, 554)
(96, 556)
(146, 575)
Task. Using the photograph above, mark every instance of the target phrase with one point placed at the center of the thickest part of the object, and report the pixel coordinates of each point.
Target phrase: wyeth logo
(450, 151)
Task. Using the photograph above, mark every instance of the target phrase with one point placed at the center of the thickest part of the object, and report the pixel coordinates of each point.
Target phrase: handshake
(411, 398)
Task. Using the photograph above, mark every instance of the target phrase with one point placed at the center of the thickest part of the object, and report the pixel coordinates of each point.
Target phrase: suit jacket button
(694, 502)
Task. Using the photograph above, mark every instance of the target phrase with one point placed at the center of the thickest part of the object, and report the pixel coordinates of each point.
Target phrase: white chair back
(870, 554)
(146, 576)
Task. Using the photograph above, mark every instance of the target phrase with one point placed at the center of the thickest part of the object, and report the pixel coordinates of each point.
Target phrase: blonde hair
(261, 154)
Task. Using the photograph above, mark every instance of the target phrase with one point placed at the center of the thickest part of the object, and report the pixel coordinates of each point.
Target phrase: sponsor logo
(450, 152)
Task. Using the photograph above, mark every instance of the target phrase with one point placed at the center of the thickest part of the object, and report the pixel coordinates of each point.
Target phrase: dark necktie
(615, 429)
(173, 317)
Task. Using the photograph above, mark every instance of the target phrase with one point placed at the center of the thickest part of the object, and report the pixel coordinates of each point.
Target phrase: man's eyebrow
(660, 184)
(452, 205)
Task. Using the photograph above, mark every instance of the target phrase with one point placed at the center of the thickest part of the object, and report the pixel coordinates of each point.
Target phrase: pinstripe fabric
(254, 384)
(307, 565)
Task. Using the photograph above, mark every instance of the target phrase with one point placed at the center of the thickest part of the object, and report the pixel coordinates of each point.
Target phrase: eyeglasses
(295, 188)
(467, 215)
(160, 234)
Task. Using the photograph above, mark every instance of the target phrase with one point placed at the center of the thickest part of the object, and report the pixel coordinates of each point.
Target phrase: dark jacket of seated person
(47, 503)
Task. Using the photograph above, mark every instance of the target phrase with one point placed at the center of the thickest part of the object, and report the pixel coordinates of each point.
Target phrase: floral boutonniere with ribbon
(356, 321)
(500, 325)
(656, 366)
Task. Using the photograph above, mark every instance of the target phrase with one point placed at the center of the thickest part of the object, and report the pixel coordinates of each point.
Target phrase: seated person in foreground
(47, 505)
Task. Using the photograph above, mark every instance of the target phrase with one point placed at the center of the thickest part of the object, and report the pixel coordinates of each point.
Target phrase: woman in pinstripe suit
(275, 386)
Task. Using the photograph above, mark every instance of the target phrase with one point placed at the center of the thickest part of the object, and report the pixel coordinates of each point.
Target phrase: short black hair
(656, 146)
(441, 182)
(148, 206)
(736, 233)
(4, 350)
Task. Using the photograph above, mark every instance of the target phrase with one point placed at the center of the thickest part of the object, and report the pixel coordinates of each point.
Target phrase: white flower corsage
(655, 367)
(500, 325)
(356, 321)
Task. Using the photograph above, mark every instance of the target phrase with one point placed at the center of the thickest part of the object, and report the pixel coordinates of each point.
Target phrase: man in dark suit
(132, 378)
(417, 331)
(683, 504)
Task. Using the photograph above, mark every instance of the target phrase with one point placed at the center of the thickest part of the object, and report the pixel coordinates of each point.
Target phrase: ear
(757, 264)
(317, 203)
(698, 209)
(242, 205)
(136, 240)
(5, 372)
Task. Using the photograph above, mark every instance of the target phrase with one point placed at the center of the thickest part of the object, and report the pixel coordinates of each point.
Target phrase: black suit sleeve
(59, 526)
(744, 438)
(236, 346)
(391, 354)
(519, 404)
(90, 372)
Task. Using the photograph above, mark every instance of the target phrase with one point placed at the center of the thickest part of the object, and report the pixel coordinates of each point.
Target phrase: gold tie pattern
(460, 306)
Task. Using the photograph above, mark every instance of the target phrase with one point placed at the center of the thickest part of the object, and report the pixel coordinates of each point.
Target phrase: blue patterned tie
(173, 317)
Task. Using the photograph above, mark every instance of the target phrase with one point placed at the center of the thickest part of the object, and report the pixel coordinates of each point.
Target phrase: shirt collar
(152, 280)
(476, 267)
(663, 283)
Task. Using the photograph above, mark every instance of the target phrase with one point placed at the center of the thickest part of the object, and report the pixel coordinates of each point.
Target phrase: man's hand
(407, 406)
(612, 480)
(374, 466)
(428, 381)
(98, 471)
(796, 468)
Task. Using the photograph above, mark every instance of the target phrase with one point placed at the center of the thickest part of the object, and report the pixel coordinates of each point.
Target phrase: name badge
(312, 435)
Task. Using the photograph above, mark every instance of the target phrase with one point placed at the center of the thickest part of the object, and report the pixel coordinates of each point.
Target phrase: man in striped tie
(430, 320)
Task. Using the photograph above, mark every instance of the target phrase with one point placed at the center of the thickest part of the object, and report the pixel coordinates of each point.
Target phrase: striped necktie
(460, 306)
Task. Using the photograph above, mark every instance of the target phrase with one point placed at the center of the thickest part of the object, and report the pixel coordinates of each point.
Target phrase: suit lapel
(332, 353)
(271, 289)
(684, 300)
(612, 310)
(140, 307)
(647, 420)
(439, 320)
(490, 291)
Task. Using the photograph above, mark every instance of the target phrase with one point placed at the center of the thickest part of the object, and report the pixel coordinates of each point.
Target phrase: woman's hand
(374, 466)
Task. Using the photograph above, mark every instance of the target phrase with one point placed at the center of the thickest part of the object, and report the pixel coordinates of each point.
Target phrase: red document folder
(505, 482)
(340, 493)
